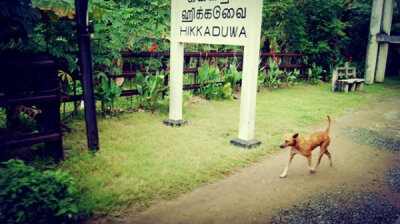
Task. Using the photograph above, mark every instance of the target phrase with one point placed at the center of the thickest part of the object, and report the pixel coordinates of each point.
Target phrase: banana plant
(66, 80)
(274, 72)
(233, 76)
(262, 76)
(149, 88)
(106, 91)
(203, 77)
(291, 77)
(155, 88)
(208, 76)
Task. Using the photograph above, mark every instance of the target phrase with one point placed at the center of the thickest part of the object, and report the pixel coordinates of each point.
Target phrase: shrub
(314, 74)
(150, 88)
(107, 91)
(28, 195)
(291, 77)
(274, 73)
(233, 76)
(262, 76)
(208, 76)
(226, 91)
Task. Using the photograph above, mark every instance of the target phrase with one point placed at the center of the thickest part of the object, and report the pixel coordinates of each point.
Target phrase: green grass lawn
(142, 160)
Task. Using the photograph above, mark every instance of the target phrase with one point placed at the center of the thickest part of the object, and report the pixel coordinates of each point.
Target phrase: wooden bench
(344, 79)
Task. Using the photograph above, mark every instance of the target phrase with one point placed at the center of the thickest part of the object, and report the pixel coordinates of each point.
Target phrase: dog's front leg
(283, 175)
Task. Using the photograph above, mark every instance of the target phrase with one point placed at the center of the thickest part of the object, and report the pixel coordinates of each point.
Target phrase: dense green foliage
(313, 27)
(47, 27)
(28, 195)
(329, 32)
(18, 20)
(355, 42)
(323, 29)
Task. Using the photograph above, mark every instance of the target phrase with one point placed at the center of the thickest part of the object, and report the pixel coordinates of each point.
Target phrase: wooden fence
(193, 60)
(31, 80)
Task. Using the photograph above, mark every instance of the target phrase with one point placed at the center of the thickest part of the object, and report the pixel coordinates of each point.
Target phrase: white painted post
(249, 93)
(176, 71)
(251, 58)
(372, 50)
(176, 81)
(384, 47)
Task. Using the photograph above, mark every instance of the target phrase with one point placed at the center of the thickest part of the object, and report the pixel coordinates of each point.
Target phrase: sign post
(230, 22)
(176, 70)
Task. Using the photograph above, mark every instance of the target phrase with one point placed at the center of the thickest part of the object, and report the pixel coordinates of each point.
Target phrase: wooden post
(346, 70)
(85, 60)
(372, 50)
(334, 79)
(360, 86)
(398, 4)
(353, 86)
(345, 87)
(50, 118)
(165, 67)
(398, 52)
(384, 47)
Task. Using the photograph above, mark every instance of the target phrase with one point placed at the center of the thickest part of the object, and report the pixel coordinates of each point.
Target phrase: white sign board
(216, 21)
(229, 22)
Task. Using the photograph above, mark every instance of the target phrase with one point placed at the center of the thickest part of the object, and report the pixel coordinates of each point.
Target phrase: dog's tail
(329, 125)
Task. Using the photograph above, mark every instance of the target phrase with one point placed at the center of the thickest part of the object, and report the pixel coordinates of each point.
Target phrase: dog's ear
(296, 135)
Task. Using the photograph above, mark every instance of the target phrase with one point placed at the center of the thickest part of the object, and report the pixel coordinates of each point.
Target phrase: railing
(31, 80)
(288, 61)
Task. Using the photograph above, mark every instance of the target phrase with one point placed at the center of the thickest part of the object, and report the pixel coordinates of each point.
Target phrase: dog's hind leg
(329, 156)
(309, 159)
(283, 175)
(324, 148)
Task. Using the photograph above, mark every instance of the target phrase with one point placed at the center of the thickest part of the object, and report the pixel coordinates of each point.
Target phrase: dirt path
(254, 193)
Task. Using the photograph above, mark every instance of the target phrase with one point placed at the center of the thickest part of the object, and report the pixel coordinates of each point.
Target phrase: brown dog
(305, 144)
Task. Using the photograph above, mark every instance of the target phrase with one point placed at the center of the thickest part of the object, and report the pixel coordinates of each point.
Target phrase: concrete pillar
(251, 58)
(176, 80)
(372, 50)
(384, 47)
(249, 92)
(176, 72)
